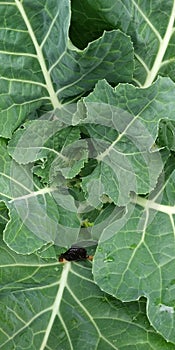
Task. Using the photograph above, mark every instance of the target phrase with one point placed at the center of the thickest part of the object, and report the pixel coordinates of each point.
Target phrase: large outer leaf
(38, 65)
(51, 306)
(136, 256)
(150, 25)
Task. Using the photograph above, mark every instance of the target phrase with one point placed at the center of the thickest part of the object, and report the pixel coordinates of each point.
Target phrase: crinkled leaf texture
(58, 306)
(125, 162)
(99, 169)
(122, 124)
(135, 254)
(36, 214)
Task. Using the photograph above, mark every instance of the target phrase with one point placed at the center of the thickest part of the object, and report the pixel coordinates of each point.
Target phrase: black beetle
(75, 254)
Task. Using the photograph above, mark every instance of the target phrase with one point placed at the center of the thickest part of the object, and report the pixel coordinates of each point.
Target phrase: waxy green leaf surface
(40, 66)
(138, 260)
(150, 25)
(58, 306)
(87, 115)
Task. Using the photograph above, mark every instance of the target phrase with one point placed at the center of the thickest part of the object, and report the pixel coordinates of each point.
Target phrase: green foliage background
(87, 120)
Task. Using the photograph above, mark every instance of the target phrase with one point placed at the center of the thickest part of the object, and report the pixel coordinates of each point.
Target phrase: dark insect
(75, 254)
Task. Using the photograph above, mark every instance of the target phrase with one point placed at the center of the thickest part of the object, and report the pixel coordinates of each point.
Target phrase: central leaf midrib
(53, 97)
(161, 51)
(57, 302)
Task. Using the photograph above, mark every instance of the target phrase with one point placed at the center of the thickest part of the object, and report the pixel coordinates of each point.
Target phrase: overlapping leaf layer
(87, 120)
